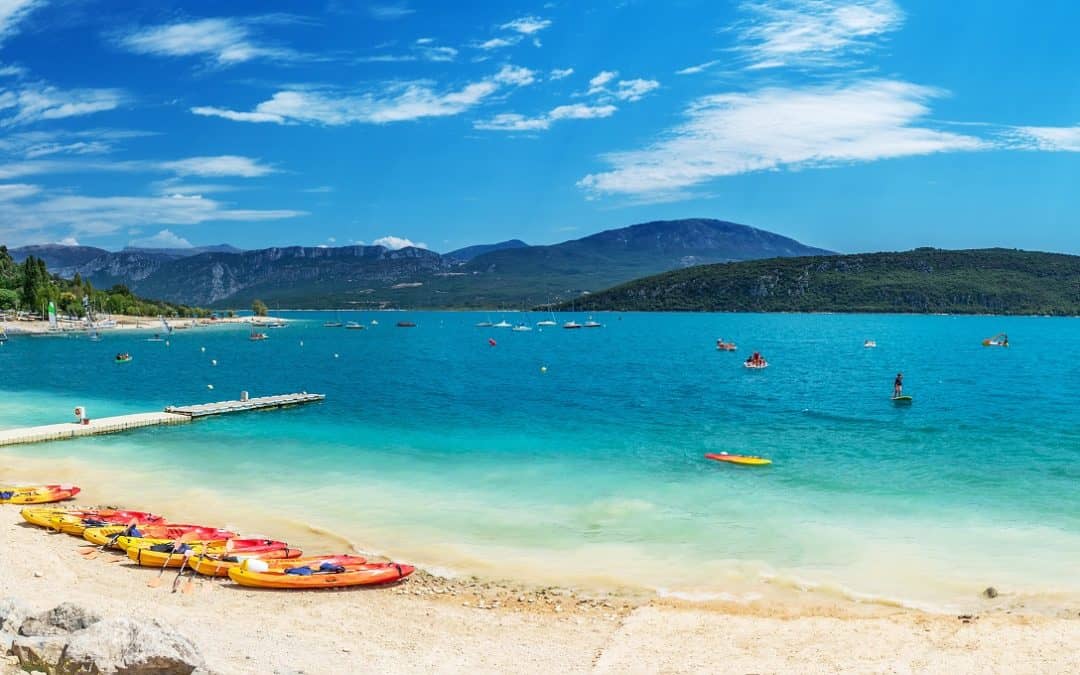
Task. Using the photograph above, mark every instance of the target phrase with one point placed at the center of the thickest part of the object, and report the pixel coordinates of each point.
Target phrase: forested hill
(926, 280)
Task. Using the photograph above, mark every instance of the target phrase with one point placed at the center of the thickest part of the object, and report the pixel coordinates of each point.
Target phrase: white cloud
(437, 54)
(560, 73)
(226, 41)
(699, 68)
(76, 148)
(103, 215)
(527, 25)
(1050, 139)
(634, 90)
(516, 122)
(321, 189)
(12, 13)
(397, 102)
(177, 186)
(515, 76)
(36, 102)
(394, 243)
(12, 71)
(237, 116)
(17, 191)
(775, 128)
(812, 32)
(163, 239)
(390, 11)
(598, 84)
(218, 166)
(499, 43)
(425, 41)
(212, 166)
(69, 241)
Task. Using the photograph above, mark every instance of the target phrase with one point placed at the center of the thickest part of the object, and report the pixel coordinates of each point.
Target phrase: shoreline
(482, 585)
(151, 324)
(424, 624)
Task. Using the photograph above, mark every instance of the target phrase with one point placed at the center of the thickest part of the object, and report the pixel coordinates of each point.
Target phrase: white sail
(165, 325)
(52, 316)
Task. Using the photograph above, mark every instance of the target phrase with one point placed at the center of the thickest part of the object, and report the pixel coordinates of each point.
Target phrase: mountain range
(509, 273)
(923, 281)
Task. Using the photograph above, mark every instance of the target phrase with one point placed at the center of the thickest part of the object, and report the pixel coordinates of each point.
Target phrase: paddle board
(901, 399)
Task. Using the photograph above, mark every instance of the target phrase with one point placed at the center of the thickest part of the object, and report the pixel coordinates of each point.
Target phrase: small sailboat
(165, 326)
(521, 328)
(255, 335)
(406, 324)
(593, 324)
(571, 324)
(870, 344)
(353, 325)
(999, 340)
(502, 324)
(336, 323)
(374, 322)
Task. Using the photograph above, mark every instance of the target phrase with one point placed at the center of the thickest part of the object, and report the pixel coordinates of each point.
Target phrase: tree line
(28, 286)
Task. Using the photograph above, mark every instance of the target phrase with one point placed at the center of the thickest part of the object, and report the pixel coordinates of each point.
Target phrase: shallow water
(434, 447)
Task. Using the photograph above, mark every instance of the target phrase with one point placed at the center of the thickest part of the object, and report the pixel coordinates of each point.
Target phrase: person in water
(898, 386)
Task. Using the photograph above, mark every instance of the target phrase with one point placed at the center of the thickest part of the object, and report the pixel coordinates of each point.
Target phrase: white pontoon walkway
(172, 415)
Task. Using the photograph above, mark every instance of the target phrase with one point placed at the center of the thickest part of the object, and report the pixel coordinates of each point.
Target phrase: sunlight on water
(436, 447)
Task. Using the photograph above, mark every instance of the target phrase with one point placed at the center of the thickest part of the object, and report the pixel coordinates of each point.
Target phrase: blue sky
(855, 125)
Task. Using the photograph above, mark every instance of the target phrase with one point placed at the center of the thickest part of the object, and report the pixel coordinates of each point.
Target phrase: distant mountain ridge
(469, 252)
(925, 280)
(506, 274)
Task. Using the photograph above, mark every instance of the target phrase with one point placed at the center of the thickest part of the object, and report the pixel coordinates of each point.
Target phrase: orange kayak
(370, 574)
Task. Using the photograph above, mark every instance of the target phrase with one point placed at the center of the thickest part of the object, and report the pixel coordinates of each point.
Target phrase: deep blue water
(436, 446)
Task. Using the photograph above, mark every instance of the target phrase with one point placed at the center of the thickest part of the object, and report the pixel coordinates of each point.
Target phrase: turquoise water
(433, 446)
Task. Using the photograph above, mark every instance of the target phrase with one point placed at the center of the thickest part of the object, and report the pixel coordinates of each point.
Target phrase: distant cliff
(993, 281)
(507, 274)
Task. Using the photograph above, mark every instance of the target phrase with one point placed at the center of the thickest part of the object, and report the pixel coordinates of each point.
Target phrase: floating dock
(172, 415)
(260, 403)
(104, 425)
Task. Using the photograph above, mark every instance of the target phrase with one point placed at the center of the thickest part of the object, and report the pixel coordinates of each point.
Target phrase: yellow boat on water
(746, 460)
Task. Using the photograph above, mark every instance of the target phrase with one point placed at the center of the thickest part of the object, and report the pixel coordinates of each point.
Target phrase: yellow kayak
(37, 494)
(147, 557)
(103, 536)
(76, 521)
(747, 460)
(219, 564)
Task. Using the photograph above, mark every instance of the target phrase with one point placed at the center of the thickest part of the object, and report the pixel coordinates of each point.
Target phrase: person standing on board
(898, 386)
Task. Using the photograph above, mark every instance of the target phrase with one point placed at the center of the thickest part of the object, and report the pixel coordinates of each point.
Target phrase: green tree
(9, 299)
(259, 308)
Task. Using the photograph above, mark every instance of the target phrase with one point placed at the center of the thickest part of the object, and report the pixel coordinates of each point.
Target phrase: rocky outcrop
(60, 620)
(70, 640)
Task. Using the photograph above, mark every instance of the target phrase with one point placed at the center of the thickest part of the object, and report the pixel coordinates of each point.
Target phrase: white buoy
(543, 369)
(209, 386)
(202, 349)
(301, 343)
(335, 355)
(213, 362)
(166, 343)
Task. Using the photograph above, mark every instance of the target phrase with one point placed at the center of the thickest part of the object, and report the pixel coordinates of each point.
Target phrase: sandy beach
(429, 624)
(123, 323)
